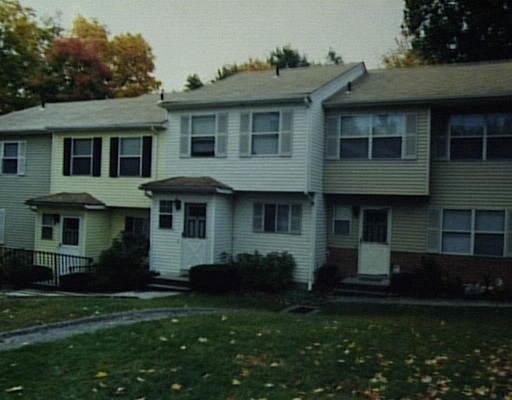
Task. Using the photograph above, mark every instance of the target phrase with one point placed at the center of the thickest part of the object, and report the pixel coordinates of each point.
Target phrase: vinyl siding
(298, 245)
(396, 177)
(97, 233)
(15, 190)
(115, 192)
(223, 237)
(244, 173)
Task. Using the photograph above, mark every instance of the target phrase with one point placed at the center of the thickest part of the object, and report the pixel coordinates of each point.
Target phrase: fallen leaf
(14, 389)
(101, 374)
(176, 387)
(236, 382)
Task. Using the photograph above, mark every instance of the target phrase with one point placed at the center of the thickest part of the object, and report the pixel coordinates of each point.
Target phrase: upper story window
(131, 156)
(277, 218)
(480, 137)
(81, 157)
(204, 135)
(267, 133)
(13, 158)
(371, 136)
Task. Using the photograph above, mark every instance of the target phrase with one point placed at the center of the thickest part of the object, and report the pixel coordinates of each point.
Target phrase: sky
(199, 36)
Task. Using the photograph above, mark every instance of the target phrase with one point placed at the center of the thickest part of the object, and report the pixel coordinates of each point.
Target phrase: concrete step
(167, 287)
(360, 292)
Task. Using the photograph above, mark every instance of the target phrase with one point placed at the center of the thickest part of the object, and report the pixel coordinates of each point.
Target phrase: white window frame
(370, 136)
(52, 226)
(160, 213)
(191, 135)
(335, 218)
(90, 156)
(252, 133)
(485, 136)
(3, 157)
(277, 205)
(472, 232)
(139, 156)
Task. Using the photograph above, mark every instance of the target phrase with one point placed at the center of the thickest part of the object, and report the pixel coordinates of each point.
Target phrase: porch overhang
(70, 200)
(183, 184)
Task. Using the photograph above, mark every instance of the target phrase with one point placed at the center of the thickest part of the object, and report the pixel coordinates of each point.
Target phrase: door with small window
(195, 241)
(70, 236)
(374, 244)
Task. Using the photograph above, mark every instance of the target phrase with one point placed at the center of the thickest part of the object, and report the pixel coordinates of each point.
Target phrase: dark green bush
(327, 277)
(78, 282)
(270, 273)
(214, 278)
(124, 265)
(17, 269)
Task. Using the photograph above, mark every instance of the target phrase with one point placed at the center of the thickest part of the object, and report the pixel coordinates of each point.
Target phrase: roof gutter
(149, 126)
(22, 131)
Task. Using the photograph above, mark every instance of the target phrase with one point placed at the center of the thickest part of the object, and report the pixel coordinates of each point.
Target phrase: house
(243, 171)
(100, 152)
(419, 163)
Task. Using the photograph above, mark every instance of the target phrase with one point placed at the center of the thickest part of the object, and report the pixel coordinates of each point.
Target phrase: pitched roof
(184, 184)
(126, 113)
(66, 199)
(428, 84)
(260, 86)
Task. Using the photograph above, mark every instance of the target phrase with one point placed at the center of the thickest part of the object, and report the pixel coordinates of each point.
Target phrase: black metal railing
(59, 264)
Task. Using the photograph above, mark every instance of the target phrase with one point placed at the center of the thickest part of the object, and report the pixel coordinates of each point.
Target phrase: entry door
(70, 236)
(195, 242)
(374, 246)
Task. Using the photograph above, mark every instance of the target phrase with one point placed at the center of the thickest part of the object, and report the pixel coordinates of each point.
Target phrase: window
(130, 156)
(47, 223)
(277, 218)
(373, 137)
(81, 157)
(342, 220)
(265, 133)
(480, 137)
(473, 232)
(165, 214)
(137, 226)
(10, 157)
(195, 221)
(203, 136)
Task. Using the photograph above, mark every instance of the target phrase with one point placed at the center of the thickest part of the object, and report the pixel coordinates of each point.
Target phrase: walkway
(60, 330)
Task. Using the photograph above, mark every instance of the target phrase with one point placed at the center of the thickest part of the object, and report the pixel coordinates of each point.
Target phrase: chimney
(277, 70)
(43, 103)
(162, 95)
(349, 87)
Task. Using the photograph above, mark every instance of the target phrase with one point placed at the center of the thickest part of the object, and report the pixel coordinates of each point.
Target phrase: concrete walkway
(407, 301)
(143, 294)
(60, 330)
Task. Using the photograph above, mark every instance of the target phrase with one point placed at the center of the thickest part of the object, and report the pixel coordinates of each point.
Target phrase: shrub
(78, 282)
(327, 278)
(270, 273)
(16, 269)
(214, 278)
(124, 265)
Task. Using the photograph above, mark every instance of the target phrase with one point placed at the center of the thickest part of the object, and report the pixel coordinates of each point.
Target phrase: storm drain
(301, 309)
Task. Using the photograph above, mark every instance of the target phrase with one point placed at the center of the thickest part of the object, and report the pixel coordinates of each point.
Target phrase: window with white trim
(265, 128)
(165, 214)
(47, 224)
(342, 220)
(81, 156)
(480, 136)
(130, 156)
(12, 157)
(277, 218)
(473, 232)
(383, 136)
(203, 135)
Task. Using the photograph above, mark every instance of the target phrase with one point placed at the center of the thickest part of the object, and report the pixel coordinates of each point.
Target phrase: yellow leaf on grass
(101, 374)
(176, 387)
(236, 382)
(14, 389)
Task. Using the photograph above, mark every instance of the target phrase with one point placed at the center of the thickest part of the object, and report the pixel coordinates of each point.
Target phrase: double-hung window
(13, 157)
(355, 136)
(342, 220)
(265, 133)
(137, 226)
(47, 225)
(473, 232)
(480, 137)
(81, 157)
(388, 133)
(130, 156)
(277, 218)
(165, 214)
(203, 136)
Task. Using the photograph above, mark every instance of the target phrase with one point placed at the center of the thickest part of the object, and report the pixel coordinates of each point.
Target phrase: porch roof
(184, 184)
(64, 199)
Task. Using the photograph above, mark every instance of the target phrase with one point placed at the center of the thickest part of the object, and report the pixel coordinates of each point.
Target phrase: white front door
(70, 236)
(194, 248)
(374, 244)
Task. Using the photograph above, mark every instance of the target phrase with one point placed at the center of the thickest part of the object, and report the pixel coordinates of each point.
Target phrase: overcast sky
(198, 36)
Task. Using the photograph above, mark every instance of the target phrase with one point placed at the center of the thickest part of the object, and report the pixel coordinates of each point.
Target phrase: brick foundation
(469, 269)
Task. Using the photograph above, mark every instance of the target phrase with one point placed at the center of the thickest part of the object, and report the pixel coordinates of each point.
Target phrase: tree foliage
(23, 42)
(287, 57)
(193, 82)
(333, 57)
(252, 64)
(444, 31)
(403, 56)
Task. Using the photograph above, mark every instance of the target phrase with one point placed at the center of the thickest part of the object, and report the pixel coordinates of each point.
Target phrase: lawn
(346, 352)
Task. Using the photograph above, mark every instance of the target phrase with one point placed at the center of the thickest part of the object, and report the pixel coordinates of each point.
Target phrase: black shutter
(114, 156)
(147, 142)
(66, 170)
(96, 157)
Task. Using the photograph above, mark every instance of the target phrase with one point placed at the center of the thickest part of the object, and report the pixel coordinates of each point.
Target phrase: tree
(23, 41)
(93, 32)
(333, 57)
(252, 64)
(75, 71)
(287, 57)
(402, 56)
(193, 82)
(444, 31)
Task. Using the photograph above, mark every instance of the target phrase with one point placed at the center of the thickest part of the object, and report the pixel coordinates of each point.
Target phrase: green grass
(348, 351)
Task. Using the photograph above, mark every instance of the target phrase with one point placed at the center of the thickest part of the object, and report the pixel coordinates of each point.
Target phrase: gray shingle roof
(66, 199)
(428, 84)
(184, 184)
(93, 114)
(260, 86)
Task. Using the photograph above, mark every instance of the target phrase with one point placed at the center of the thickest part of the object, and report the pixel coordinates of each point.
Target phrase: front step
(360, 292)
(364, 285)
(177, 284)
